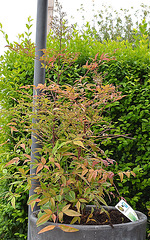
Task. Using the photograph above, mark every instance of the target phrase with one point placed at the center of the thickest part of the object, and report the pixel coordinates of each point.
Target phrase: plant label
(128, 211)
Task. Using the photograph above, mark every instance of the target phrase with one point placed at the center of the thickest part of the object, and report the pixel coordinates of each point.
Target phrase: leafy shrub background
(15, 70)
(130, 71)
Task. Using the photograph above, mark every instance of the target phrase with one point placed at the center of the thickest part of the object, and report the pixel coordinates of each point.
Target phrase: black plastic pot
(126, 231)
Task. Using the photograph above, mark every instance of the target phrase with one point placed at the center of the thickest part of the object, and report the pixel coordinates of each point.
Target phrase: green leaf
(43, 219)
(66, 207)
(72, 213)
(101, 200)
(13, 202)
(43, 201)
(79, 143)
(75, 219)
(72, 195)
(59, 198)
(33, 197)
(68, 228)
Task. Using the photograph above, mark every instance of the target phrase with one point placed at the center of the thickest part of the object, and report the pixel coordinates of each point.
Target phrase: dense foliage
(15, 71)
(130, 70)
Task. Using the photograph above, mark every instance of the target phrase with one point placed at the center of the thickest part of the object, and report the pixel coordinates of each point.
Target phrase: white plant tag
(128, 211)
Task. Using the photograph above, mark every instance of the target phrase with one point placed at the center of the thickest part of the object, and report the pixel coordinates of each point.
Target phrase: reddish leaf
(54, 217)
(127, 174)
(57, 165)
(121, 175)
(40, 167)
(111, 175)
(84, 171)
(27, 156)
(95, 174)
(32, 205)
(96, 56)
(22, 145)
(13, 129)
(94, 163)
(133, 174)
(14, 160)
(45, 166)
(105, 163)
(111, 160)
(21, 170)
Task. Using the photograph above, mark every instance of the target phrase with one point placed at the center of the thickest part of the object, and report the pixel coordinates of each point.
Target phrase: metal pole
(39, 77)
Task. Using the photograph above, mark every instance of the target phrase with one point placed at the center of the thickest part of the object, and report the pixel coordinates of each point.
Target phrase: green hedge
(15, 70)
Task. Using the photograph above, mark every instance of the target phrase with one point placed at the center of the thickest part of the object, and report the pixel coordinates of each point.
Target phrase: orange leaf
(14, 160)
(27, 156)
(43, 160)
(39, 168)
(22, 145)
(46, 167)
(96, 56)
(48, 228)
(94, 163)
(84, 171)
(3, 143)
(34, 201)
(57, 165)
(21, 171)
(27, 160)
(127, 174)
(51, 159)
(48, 211)
(133, 174)
(54, 218)
(121, 175)
(32, 205)
(13, 129)
(95, 174)
(68, 228)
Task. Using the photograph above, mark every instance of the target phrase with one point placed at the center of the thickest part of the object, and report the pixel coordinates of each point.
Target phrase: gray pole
(39, 77)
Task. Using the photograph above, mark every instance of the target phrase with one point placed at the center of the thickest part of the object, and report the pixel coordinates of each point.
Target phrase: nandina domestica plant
(72, 170)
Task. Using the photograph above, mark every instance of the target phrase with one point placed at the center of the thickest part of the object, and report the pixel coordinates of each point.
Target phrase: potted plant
(73, 172)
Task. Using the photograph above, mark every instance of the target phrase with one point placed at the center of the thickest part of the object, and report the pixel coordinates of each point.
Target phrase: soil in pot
(98, 218)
